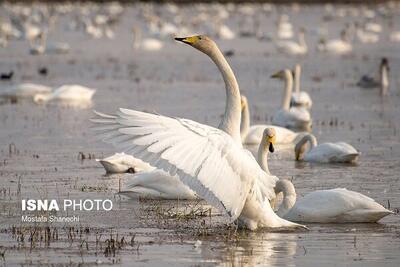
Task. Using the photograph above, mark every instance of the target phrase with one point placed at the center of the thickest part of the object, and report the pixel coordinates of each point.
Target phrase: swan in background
(395, 36)
(368, 82)
(68, 93)
(339, 152)
(290, 117)
(337, 205)
(299, 98)
(157, 184)
(285, 29)
(121, 163)
(210, 161)
(147, 44)
(293, 48)
(25, 90)
(252, 135)
(367, 37)
(336, 46)
(225, 33)
(48, 48)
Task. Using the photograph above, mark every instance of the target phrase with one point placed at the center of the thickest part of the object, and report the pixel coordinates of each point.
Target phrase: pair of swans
(210, 161)
(295, 117)
(368, 82)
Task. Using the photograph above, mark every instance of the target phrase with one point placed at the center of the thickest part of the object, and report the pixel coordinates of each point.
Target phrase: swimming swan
(25, 90)
(121, 163)
(293, 48)
(299, 98)
(253, 134)
(336, 46)
(368, 82)
(337, 205)
(68, 93)
(210, 161)
(339, 152)
(290, 117)
(157, 184)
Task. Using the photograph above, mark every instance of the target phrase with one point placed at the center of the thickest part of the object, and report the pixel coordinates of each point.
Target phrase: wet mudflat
(48, 151)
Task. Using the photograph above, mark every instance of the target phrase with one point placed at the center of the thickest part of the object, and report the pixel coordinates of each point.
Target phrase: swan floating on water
(26, 90)
(290, 117)
(210, 161)
(299, 98)
(74, 94)
(337, 205)
(336, 46)
(293, 48)
(121, 163)
(339, 152)
(253, 134)
(368, 82)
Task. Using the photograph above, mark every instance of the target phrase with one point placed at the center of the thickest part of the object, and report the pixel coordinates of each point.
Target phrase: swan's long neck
(300, 146)
(297, 75)
(262, 156)
(302, 40)
(137, 36)
(289, 196)
(384, 78)
(231, 121)
(245, 122)
(288, 90)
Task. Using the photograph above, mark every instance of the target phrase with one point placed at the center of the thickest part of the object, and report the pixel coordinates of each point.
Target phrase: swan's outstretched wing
(205, 158)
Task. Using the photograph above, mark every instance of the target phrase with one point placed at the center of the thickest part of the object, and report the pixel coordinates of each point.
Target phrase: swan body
(339, 47)
(121, 163)
(336, 46)
(395, 36)
(373, 27)
(339, 152)
(70, 93)
(27, 90)
(225, 33)
(367, 37)
(290, 117)
(293, 48)
(285, 29)
(210, 161)
(337, 205)
(299, 98)
(147, 44)
(252, 135)
(156, 184)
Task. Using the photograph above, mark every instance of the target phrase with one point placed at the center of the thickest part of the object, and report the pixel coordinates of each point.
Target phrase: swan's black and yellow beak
(271, 140)
(271, 148)
(276, 75)
(187, 40)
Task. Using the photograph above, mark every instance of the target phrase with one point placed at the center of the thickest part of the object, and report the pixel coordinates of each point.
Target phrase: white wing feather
(205, 158)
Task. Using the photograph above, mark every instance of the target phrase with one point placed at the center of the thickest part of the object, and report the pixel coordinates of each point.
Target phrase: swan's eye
(199, 38)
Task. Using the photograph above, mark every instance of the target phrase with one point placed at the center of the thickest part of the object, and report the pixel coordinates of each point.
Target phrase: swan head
(282, 74)
(385, 63)
(269, 136)
(202, 43)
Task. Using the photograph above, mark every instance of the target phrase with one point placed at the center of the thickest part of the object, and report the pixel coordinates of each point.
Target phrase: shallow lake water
(48, 151)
